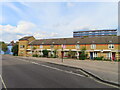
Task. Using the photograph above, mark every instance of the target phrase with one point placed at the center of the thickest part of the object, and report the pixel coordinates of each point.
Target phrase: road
(22, 73)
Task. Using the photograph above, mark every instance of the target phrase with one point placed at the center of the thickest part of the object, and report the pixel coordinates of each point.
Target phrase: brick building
(108, 47)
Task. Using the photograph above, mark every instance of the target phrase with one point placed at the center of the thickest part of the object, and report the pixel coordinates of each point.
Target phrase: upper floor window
(31, 47)
(93, 46)
(22, 46)
(111, 46)
(51, 46)
(21, 52)
(41, 46)
(77, 46)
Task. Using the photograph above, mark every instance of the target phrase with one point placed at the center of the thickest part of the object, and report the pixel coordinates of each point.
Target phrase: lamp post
(52, 47)
(41, 49)
(77, 47)
(62, 51)
(32, 49)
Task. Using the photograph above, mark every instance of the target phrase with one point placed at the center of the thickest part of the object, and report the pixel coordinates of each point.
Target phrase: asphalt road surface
(22, 73)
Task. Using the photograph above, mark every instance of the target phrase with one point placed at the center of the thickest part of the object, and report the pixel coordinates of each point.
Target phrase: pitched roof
(26, 38)
(87, 40)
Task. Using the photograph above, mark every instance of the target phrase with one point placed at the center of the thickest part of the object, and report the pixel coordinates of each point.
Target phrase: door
(91, 55)
(113, 55)
(62, 54)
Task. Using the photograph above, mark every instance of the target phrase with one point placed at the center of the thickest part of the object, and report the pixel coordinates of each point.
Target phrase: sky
(55, 19)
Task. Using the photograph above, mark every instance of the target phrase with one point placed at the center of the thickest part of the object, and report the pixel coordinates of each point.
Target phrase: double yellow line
(3, 82)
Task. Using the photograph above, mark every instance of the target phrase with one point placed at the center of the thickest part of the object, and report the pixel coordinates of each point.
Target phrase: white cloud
(23, 28)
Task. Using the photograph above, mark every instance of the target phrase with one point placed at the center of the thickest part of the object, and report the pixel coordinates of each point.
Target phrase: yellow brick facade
(23, 46)
(98, 51)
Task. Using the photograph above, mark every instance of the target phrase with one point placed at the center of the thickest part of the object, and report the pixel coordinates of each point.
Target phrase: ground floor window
(21, 52)
(95, 54)
(65, 54)
(109, 55)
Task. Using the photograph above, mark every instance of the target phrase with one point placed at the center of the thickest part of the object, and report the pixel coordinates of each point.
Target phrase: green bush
(98, 58)
(45, 53)
(40, 56)
(117, 60)
(15, 50)
(53, 56)
(35, 55)
(82, 56)
(56, 56)
(106, 59)
(15, 54)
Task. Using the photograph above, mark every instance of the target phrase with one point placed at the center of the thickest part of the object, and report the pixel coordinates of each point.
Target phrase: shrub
(45, 53)
(117, 60)
(51, 55)
(98, 58)
(35, 55)
(15, 50)
(106, 59)
(83, 55)
(55, 56)
(40, 56)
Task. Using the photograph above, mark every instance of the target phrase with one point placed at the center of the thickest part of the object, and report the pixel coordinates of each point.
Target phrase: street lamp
(41, 49)
(32, 48)
(77, 47)
(52, 47)
(63, 46)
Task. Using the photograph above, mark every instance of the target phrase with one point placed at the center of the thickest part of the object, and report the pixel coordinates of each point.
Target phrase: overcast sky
(55, 19)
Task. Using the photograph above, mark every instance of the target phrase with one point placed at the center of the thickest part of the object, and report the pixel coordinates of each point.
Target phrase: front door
(113, 55)
(91, 55)
(62, 54)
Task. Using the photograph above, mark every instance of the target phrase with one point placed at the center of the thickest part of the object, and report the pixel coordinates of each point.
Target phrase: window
(93, 46)
(95, 54)
(22, 46)
(41, 46)
(77, 46)
(31, 47)
(21, 52)
(66, 54)
(51, 46)
(111, 46)
(108, 55)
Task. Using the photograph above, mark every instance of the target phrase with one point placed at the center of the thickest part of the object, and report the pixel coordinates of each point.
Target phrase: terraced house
(108, 47)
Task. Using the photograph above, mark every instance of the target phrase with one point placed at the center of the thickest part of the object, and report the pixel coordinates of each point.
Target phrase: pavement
(24, 72)
(104, 70)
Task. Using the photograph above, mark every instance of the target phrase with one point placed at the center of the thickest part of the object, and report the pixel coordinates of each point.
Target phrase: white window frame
(31, 46)
(95, 54)
(22, 46)
(41, 46)
(21, 52)
(93, 46)
(109, 55)
(77, 46)
(111, 46)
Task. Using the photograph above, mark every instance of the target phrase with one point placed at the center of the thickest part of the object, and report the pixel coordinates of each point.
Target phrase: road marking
(3, 82)
(55, 68)
(68, 72)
